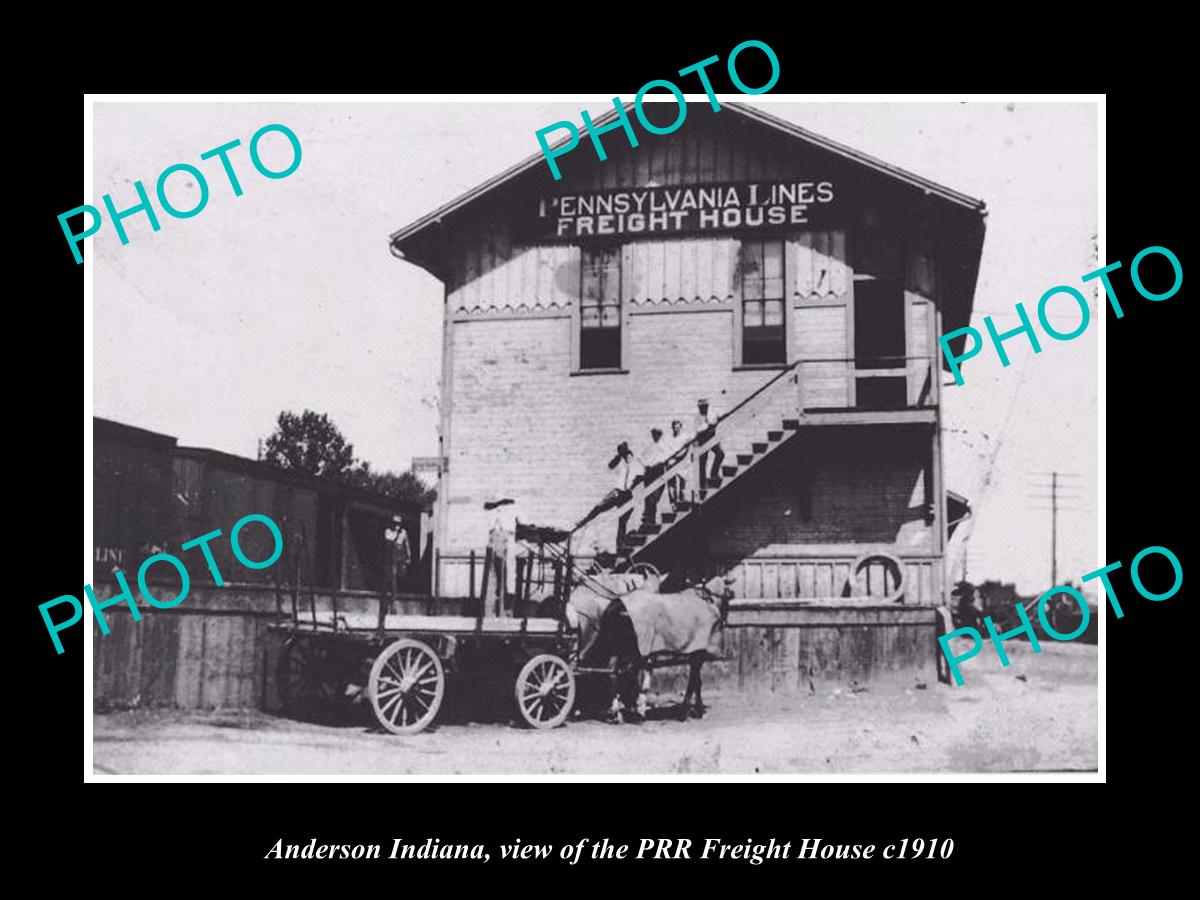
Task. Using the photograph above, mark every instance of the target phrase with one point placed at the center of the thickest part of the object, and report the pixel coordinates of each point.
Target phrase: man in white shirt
(654, 458)
(627, 472)
(676, 442)
(400, 553)
(503, 546)
(705, 421)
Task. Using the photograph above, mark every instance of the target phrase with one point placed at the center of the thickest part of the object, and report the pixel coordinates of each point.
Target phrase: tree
(309, 443)
(405, 486)
(312, 444)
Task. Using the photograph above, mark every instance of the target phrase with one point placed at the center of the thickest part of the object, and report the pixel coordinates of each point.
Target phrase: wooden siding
(824, 578)
(494, 275)
(816, 267)
(820, 335)
(794, 658)
(679, 270)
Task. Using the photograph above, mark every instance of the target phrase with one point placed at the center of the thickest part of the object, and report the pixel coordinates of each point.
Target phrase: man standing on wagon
(502, 554)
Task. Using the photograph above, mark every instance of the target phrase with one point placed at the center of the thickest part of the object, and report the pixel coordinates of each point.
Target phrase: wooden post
(306, 555)
(471, 588)
(501, 584)
(568, 577)
(487, 574)
(295, 590)
(437, 581)
(386, 595)
(541, 565)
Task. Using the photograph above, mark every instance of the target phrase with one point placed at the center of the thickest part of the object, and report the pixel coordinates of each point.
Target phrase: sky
(287, 297)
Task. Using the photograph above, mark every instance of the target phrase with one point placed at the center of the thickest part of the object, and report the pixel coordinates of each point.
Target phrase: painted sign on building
(685, 209)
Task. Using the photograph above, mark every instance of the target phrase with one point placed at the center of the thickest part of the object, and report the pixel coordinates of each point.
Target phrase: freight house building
(798, 285)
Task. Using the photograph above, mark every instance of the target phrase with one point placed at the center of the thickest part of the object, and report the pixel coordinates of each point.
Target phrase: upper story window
(600, 309)
(763, 317)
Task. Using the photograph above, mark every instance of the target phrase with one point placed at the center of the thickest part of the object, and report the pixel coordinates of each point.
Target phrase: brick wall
(833, 486)
(522, 425)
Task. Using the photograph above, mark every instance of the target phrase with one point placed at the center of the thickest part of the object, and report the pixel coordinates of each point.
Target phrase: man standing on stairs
(677, 485)
(654, 459)
(705, 422)
(627, 472)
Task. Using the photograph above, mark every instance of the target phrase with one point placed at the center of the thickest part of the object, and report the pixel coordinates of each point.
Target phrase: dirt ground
(1040, 714)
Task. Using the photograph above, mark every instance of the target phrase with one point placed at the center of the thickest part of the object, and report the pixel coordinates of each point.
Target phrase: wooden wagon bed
(369, 622)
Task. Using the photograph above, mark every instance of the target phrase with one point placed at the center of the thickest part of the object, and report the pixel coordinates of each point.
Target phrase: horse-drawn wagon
(404, 666)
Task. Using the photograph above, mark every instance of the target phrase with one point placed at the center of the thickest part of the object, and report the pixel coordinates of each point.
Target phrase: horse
(643, 628)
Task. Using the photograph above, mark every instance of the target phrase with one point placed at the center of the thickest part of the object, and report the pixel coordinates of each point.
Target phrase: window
(764, 335)
(879, 343)
(600, 309)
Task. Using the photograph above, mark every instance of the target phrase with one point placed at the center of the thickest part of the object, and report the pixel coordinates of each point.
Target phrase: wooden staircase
(640, 539)
(749, 433)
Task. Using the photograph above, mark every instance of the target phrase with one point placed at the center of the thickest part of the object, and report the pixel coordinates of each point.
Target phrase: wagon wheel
(545, 691)
(406, 686)
(306, 676)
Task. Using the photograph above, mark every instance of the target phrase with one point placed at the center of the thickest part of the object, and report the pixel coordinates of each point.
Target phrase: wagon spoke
(391, 705)
(388, 692)
(403, 662)
(424, 667)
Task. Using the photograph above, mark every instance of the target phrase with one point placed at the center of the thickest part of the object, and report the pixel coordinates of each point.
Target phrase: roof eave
(933, 188)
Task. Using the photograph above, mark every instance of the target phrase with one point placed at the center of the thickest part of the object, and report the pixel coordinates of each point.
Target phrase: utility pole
(1056, 496)
(1054, 528)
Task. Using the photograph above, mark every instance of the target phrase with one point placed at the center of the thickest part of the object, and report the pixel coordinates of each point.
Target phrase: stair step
(632, 540)
(744, 459)
(683, 506)
(774, 435)
(759, 447)
(791, 424)
(649, 529)
(668, 518)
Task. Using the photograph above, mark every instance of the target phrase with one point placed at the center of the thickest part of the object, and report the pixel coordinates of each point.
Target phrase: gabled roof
(753, 114)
